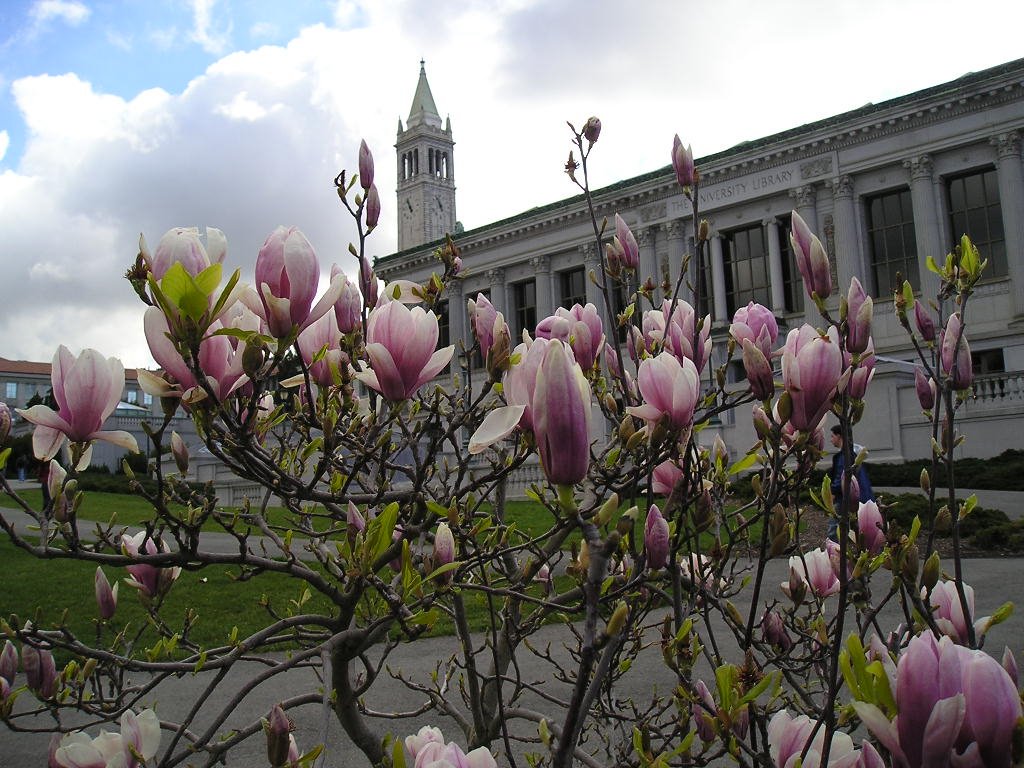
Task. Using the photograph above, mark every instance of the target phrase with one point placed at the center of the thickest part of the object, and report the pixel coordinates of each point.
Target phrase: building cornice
(808, 143)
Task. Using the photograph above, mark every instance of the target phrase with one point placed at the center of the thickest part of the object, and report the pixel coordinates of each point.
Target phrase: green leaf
(380, 530)
(757, 690)
(932, 266)
(175, 283)
(426, 618)
(226, 293)
(200, 663)
(745, 463)
(208, 280)
(968, 506)
(437, 509)
(4, 455)
(444, 569)
(398, 754)
(725, 680)
(908, 294)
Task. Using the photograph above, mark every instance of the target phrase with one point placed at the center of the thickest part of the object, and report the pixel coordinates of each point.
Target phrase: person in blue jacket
(836, 475)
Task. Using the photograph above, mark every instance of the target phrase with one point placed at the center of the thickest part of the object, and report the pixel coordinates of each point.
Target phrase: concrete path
(995, 580)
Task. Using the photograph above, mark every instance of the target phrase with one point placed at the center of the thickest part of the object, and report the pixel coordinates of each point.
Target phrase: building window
(574, 287)
(12, 390)
(974, 210)
(792, 283)
(525, 295)
(147, 399)
(893, 244)
(746, 268)
(133, 396)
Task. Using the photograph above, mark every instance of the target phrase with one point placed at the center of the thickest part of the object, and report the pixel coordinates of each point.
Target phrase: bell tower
(426, 174)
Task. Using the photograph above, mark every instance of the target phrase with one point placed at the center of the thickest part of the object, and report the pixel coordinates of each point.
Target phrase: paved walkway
(995, 580)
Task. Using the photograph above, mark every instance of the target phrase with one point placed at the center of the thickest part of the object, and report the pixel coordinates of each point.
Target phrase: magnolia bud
(365, 166)
(278, 728)
(618, 619)
(444, 546)
(626, 428)
(180, 452)
(9, 662)
(609, 508)
(253, 357)
(932, 571)
(926, 481)
(797, 586)
(911, 564)
(106, 597)
(702, 230)
(943, 520)
(924, 322)
(583, 561)
(372, 207)
(656, 538)
(762, 426)
(592, 129)
(626, 521)
(5, 423)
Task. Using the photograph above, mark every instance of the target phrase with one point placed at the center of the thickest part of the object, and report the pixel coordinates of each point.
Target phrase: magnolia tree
(394, 485)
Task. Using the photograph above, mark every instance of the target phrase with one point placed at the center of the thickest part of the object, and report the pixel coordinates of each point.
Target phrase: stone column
(805, 202)
(458, 322)
(1011, 199)
(542, 272)
(927, 227)
(591, 264)
(497, 280)
(648, 259)
(775, 267)
(848, 260)
(720, 310)
(675, 236)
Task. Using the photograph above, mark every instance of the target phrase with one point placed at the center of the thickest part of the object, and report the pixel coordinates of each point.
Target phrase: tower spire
(423, 110)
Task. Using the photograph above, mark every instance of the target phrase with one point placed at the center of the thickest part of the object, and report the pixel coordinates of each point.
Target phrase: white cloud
(242, 107)
(212, 40)
(119, 40)
(262, 30)
(69, 11)
(5, 142)
(256, 139)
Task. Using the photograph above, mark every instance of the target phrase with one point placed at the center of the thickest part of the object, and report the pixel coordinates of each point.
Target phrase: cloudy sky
(126, 116)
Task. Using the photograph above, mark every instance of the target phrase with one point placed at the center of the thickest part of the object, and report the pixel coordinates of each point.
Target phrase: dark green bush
(1004, 472)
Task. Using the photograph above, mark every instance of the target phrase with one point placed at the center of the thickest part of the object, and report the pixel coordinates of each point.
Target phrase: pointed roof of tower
(423, 110)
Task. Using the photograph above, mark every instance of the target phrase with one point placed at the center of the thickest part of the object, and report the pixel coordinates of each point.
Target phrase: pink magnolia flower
(519, 383)
(954, 706)
(682, 162)
(811, 259)
(87, 390)
(482, 316)
(9, 662)
(788, 736)
(40, 670)
(183, 245)
(679, 336)
(219, 359)
(811, 367)
(323, 333)
(665, 476)
(140, 734)
(444, 545)
(871, 527)
(924, 322)
(349, 306)
(106, 597)
(925, 388)
(956, 359)
(287, 275)
(860, 308)
(428, 750)
(580, 327)
(669, 388)
(704, 712)
(365, 166)
(773, 630)
(402, 347)
(561, 416)
(949, 614)
(758, 370)
(859, 377)
(150, 580)
(756, 323)
(656, 535)
(372, 207)
(627, 249)
(814, 568)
